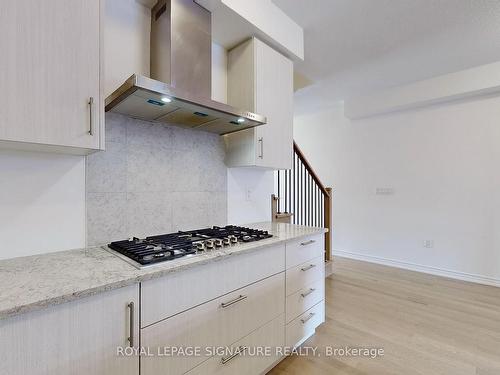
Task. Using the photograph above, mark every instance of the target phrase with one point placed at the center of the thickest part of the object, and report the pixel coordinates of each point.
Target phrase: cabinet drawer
(303, 326)
(301, 301)
(306, 248)
(172, 294)
(271, 335)
(304, 274)
(220, 322)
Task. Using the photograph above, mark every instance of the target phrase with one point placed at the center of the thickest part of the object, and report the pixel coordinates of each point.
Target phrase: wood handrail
(313, 174)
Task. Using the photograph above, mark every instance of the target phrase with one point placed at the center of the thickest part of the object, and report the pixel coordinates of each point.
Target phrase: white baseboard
(485, 280)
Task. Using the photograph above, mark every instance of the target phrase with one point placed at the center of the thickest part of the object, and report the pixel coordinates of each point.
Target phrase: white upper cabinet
(50, 74)
(260, 79)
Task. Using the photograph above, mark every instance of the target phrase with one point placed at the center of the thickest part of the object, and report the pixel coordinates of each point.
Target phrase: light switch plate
(384, 191)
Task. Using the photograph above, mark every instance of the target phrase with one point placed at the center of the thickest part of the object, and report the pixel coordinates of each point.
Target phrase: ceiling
(354, 47)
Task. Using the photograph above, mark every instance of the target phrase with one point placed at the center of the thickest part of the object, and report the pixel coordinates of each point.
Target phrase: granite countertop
(35, 282)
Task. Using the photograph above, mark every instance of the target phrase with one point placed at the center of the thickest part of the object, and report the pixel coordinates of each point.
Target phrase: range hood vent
(179, 91)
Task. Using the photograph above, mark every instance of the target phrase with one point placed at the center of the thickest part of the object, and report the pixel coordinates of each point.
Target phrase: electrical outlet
(248, 195)
(428, 244)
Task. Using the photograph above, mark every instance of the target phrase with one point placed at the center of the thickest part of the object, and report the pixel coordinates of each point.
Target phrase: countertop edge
(152, 274)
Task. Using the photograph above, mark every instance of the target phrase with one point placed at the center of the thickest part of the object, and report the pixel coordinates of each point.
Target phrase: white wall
(442, 163)
(249, 195)
(126, 41)
(42, 200)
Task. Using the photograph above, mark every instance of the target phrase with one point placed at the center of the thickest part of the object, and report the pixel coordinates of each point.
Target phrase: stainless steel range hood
(180, 88)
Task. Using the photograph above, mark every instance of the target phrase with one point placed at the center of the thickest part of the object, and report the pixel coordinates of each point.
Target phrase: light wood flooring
(427, 325)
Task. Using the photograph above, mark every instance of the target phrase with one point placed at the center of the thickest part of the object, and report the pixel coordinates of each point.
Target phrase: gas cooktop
(155, 249)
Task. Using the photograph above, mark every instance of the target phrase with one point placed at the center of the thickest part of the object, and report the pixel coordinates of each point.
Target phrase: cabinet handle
(304, 295)
(91, 113)
(131, 322)
(308, 267)
(261, 141)
(240, 350)
(307, 243)
(236, 300)
(306, 319)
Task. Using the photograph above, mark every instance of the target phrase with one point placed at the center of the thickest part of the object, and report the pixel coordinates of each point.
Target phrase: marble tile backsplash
(154, 179)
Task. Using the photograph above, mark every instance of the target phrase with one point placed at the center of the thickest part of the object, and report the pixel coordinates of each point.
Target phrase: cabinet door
(49, 70)
(274, 99)
(248, 360)
(79, 337)
(213, 324)
(260, 79)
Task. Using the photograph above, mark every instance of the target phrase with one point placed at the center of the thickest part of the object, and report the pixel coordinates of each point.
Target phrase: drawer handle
(304, 295)
(236, 300)
(91, 113)
(131, 324)
(238, 352)
(305, 320)
(310, 242)
(308, 267)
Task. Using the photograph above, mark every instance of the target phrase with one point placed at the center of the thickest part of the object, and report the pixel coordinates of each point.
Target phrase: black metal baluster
(309, 199)
(283, 188)
(315, 196)
(319, 208)
(323, 210)
(318, 196)
(314, 203)
(294, 189)
(315, 193)
(306, 216)
(308, 212)
(290, 187)
(286, 191)
(302, 193)
(279, 192)
(299, 192)
(306, 203)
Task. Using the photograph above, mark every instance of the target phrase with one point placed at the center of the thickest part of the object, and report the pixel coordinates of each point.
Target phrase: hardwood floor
(426, 324)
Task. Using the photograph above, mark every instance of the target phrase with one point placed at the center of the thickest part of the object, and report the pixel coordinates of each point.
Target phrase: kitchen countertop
(35, 282)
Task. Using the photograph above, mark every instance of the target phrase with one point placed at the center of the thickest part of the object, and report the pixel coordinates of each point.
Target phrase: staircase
(301, 198)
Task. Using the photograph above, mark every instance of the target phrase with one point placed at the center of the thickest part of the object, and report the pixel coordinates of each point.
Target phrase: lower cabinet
(240, 314)
(304, 299)
(80, 337)
(305, 289)
(233, 316)
(248, 356)
(302, 327)
(218, 323)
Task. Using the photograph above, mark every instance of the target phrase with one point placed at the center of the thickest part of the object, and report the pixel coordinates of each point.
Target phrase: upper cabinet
(260, 79)
(50, 75)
